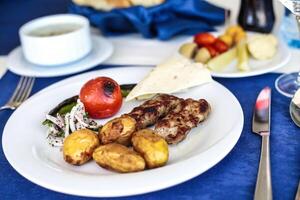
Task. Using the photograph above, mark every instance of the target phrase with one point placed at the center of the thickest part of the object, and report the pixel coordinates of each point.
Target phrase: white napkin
(3, 66)
(132, 49)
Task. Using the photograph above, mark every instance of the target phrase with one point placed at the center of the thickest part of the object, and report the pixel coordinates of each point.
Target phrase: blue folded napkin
(163, 21)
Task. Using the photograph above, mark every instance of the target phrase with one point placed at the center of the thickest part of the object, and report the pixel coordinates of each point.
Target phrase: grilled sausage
(150, 111)
(176, 125)
(120, 129)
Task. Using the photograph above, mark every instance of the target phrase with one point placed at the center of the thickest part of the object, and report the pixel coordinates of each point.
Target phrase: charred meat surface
(175, 126)
(120, 129)
(152, 110)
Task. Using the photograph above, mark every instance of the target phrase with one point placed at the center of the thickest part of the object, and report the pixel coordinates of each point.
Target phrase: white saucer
(102, 49)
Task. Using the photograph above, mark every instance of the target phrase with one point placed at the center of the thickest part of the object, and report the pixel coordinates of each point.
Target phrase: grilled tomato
(101, 97)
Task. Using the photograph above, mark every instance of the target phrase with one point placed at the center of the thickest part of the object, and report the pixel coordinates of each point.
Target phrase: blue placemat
(13, 14)
(233, 178)
(173, 17)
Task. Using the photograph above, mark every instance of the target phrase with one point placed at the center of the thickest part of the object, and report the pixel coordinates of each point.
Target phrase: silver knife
(261, 125)
(298, 193)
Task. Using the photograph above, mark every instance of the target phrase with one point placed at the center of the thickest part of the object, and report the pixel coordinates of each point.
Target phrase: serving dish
(281, 58)
(205, 146)
(102, 49)
(56, 39)
(257, 67)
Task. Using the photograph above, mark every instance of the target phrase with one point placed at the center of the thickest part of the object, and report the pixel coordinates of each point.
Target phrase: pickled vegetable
(242, 56)
(227, 39)
(202, 55)
(188, 50)
(262, 47)
(220, 62)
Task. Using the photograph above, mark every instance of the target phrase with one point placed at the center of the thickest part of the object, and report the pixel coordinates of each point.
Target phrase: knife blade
(298, 193)
(262, 110)
(261, 124)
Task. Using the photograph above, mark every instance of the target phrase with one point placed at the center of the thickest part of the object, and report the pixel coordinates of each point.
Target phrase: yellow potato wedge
(118, 130)
(152, 147)
(79, 146)
(118, 158)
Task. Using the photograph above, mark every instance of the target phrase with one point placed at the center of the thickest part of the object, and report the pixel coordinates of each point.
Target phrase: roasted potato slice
(79, 146)
(118, 158)
(152, 147)
(118, 130)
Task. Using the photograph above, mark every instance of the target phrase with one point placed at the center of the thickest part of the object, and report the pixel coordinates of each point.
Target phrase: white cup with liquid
(56, 39)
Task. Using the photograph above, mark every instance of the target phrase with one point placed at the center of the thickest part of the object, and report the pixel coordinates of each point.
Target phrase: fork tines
(23, 89)
(21, 93)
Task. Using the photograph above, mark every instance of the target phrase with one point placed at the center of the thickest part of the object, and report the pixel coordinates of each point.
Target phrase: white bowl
(55, 39)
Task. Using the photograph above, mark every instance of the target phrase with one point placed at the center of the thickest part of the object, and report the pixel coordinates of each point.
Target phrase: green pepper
(66, 109)
(65, 106)
(126, 88)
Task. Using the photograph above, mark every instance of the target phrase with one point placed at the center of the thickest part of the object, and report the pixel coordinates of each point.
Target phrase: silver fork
(20, 94)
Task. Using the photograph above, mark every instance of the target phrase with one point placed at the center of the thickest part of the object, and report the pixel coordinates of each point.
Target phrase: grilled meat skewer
(150, 111)
(175, 126)
(120, 129)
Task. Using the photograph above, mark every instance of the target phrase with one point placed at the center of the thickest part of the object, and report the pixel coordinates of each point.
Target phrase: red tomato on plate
(220, 46)
(204, 39)
(101, 97)
(212, 51)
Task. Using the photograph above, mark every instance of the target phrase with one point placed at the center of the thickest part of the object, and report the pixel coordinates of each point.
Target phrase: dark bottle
(257, 15)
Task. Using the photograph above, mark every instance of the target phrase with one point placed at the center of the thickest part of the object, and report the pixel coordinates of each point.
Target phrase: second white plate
(257, 67)
(203, 148)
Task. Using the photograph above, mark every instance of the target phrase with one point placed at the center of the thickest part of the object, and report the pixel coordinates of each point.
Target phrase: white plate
(101, 50)
(27, 150)
(257, 67)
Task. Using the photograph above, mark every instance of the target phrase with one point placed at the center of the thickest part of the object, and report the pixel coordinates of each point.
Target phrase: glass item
(295, 108)
(289, 30)
(257, 15)
(288, 84)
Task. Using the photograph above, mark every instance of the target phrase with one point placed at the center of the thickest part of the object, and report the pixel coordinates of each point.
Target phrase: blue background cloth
(162, 21)
(233, 178)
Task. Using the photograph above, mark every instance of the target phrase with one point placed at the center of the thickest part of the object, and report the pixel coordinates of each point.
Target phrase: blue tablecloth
(233, 178)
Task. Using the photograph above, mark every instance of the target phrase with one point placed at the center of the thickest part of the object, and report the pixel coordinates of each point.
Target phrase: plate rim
(99, 39)
(253, 73)
(234, 134)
